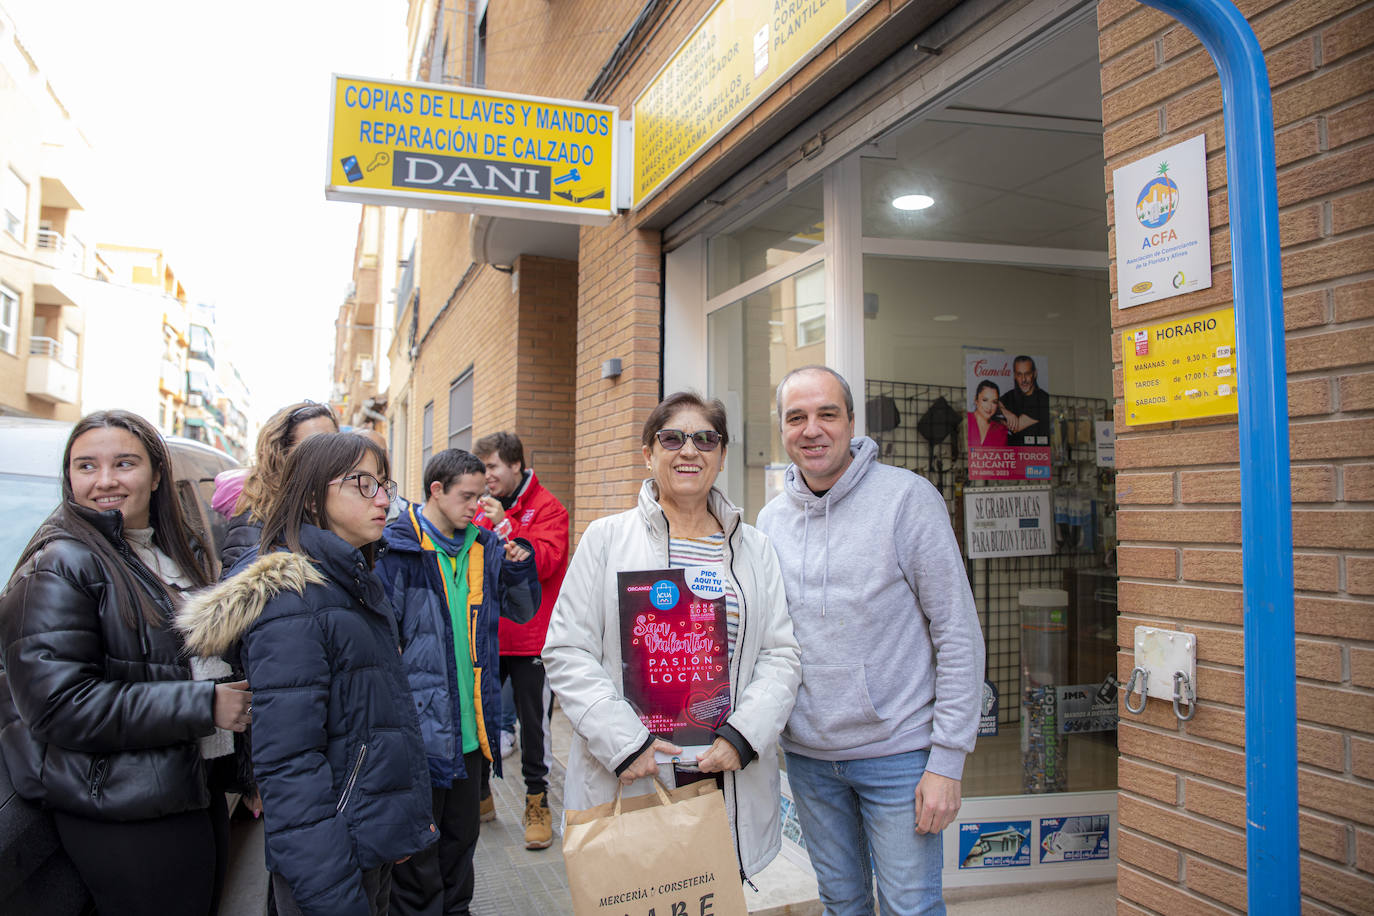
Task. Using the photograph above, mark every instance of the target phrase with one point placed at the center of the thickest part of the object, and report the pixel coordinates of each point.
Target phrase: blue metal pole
(1271, 761)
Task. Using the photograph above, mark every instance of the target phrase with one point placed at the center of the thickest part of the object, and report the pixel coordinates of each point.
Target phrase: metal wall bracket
(1165, 666)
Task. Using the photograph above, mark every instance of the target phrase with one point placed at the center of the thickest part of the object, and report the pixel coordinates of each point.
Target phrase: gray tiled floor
(513, 880)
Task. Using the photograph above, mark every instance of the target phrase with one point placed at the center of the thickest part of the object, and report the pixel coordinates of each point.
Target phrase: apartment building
(905, 189)
(363, 329)
(46, 264)
(216, 396)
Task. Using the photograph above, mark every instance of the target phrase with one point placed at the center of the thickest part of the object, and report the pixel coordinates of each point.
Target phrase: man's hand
(937, 802)
(491, 506)
(515, 553)
(719, 757)
(644, 764)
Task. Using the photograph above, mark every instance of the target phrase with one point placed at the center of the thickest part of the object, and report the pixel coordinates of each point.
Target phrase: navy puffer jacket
(336, 747)
(497, 587)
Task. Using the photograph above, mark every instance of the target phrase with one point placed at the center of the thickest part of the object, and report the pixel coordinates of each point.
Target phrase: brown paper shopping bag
(666, 854)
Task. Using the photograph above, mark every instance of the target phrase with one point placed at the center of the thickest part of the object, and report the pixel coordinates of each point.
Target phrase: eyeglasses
(705, 440)
(369, 485)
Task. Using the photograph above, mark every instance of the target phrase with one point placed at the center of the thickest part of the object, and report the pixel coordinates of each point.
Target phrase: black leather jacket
(107, 716)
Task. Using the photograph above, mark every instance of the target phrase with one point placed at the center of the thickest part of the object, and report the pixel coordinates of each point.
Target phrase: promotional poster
(1075, 839)
(994, 844)
(1008, 420)
(673, 652)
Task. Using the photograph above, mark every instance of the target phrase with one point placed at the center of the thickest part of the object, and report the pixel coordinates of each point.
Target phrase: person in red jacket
(518, 506)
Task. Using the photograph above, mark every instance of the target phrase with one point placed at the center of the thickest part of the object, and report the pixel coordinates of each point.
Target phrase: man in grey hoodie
(892, 655)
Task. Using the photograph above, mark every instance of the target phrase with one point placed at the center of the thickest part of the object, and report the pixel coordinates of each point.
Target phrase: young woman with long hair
(107, 723)
(244, 495)
(337, 752)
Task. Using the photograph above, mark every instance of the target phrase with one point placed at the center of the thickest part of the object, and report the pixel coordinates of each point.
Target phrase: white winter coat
(582, 659)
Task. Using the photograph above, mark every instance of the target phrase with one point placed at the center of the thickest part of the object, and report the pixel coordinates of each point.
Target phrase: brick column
(1182, 801)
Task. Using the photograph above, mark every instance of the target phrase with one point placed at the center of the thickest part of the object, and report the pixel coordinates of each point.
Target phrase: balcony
(64, 176)
(50, 378)
(60, 278)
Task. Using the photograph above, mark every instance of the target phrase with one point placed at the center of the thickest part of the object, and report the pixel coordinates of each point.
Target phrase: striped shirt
(709, 551)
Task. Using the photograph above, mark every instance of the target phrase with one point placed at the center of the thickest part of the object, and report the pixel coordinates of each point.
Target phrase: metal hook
(1139, 674)
(1186, 695)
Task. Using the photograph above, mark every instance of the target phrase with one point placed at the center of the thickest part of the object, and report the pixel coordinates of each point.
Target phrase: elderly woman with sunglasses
(681, 520)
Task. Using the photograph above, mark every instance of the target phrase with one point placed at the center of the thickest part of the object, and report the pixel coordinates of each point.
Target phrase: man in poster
(1029, 403)
(892, 671)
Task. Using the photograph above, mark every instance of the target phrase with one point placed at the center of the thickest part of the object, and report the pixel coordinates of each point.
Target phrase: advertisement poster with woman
(1008, 422)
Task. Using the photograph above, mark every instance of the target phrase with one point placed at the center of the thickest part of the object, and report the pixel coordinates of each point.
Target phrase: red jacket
(538, 517)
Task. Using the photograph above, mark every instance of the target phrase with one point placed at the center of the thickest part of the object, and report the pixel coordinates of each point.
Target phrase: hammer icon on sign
(573, 175)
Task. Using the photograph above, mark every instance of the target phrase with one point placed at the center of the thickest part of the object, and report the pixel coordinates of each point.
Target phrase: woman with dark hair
(109, 724)
(987, 426)
(336, 747)
(681, 521)
(243, 495)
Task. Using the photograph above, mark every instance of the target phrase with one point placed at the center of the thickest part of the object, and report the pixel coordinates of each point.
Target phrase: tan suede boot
(538, 822)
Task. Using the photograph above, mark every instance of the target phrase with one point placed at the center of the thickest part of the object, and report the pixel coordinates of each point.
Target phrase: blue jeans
(853, 809)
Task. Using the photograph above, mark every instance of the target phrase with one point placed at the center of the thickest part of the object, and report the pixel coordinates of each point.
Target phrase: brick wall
(1182, 801)
(546, 342)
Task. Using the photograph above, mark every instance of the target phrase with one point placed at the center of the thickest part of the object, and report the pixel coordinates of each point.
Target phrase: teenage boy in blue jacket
(449, 581)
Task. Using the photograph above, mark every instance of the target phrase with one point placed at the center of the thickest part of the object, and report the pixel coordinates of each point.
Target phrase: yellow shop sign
(440, 148)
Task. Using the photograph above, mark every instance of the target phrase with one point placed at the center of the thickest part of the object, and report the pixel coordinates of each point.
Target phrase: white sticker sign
(1008, 522)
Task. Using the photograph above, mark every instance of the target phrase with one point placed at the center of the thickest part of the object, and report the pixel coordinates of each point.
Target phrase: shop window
(9, 320)
(753, 342)
(460, 412)
(764, 240)
(14, 201)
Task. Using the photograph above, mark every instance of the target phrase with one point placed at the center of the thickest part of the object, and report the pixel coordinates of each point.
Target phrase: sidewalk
(515, 881)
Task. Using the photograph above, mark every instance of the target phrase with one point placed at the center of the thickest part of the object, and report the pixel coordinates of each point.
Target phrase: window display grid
(918, 427)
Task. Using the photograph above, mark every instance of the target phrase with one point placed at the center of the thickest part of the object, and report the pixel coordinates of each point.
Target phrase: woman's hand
(719, 757)
(233, 706)
(644, 764)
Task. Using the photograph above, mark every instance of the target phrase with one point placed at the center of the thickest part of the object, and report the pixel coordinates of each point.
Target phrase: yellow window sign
(1181, 369)
(440, 148)
(739, 51)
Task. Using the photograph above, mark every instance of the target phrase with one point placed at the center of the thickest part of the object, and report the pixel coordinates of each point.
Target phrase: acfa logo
(1142, 287)
(1179, 280)
(1158, 200)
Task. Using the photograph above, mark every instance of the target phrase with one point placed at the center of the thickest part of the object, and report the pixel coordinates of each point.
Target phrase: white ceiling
(1016, 159)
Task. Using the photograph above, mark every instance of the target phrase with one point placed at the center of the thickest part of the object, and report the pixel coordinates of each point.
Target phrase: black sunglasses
(705, 440)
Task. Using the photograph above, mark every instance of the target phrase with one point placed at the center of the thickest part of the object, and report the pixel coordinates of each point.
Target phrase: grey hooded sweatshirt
(892, 652)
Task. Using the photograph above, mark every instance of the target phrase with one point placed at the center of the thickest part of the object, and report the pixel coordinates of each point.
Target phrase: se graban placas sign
(469, 150)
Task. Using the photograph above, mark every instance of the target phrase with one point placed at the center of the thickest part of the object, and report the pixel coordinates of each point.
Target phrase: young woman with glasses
(336, 748)
(681, 520)
(246, 509)
(107, 725)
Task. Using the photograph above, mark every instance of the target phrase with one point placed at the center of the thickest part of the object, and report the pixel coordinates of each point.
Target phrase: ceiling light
(945, 318)
(913, 202)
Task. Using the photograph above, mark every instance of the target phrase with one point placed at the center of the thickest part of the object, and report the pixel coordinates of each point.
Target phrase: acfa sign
(437, 148)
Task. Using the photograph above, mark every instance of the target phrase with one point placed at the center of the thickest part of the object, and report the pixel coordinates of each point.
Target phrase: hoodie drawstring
(825, 559)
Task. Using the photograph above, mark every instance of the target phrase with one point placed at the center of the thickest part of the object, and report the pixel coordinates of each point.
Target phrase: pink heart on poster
(701, 707)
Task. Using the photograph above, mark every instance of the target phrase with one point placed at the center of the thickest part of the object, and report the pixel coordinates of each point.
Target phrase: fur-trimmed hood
(214, 620)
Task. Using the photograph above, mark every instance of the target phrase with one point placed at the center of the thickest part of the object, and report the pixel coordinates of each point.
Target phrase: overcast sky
(209, 125)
